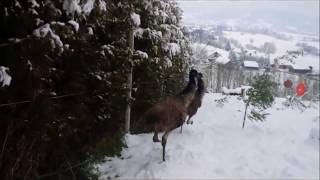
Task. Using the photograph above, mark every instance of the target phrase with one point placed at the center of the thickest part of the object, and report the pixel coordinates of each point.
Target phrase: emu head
(200, 83)
(193, 74)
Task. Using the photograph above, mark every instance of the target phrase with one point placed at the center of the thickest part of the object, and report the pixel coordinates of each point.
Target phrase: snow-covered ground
(216, 146)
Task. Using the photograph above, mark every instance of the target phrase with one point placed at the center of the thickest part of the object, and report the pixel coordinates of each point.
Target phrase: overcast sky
(303, 15)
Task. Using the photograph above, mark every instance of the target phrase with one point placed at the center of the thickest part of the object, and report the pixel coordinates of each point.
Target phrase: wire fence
(84, 93)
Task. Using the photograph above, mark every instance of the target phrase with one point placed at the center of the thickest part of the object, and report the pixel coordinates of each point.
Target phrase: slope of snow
(259, 39)
(215, 147)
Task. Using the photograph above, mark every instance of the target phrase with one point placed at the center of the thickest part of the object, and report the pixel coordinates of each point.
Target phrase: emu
(197, 100)
(170, 112)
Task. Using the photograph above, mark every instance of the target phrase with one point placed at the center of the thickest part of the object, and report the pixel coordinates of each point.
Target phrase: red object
(300, 90)
(288, 83)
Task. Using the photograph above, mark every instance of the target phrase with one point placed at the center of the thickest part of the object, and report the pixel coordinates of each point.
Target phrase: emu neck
(200, 90)
(190, 88)
(188, 92)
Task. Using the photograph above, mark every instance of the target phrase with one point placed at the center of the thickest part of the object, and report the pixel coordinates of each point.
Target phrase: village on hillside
(256, 50)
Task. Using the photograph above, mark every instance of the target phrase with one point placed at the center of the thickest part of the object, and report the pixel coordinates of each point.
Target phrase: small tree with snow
(260, 97)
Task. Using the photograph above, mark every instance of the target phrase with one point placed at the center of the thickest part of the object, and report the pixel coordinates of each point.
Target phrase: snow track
(216, 147)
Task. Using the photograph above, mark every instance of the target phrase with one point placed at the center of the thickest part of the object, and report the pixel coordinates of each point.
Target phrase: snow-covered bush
(295, 103)
(78, 50)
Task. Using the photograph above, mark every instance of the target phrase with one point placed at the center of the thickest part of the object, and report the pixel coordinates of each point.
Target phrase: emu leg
(164, 142)
(188, 121)
(155, 137)
(181, 128)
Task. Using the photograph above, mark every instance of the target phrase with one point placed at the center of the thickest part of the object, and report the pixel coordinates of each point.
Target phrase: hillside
(253, 44)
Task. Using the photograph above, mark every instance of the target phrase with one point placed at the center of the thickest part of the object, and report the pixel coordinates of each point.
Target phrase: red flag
(300, 90)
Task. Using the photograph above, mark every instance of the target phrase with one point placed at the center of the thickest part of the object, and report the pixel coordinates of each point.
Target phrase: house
(283, 65)
(289, 67)
(219, 56)
(251, 65)
(301, 70)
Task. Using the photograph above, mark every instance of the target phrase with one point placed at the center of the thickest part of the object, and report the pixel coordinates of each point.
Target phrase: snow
(88, 6)
(58, 23)
(135, 19)
(251, 64)
(142, 54)
(236, 90)
(216, 147)
(168, 62)
(30, 65)
(45, 30)
(173, 48)
(5, 78)
(314, 133)
(228, 91)
(90, 31)
(34, 12)
(6, 11)
(72, 6)
(17, 4)
(33, 2)
(102, 5)
(74, 24)
(138, 32)
(38, 21)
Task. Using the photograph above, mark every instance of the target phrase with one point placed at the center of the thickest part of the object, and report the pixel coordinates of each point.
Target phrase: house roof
(253, 64)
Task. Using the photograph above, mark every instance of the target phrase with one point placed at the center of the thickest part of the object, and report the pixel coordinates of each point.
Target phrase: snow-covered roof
(251, 64)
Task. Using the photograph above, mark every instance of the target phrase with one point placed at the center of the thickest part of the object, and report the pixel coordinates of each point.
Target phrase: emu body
(171, 112)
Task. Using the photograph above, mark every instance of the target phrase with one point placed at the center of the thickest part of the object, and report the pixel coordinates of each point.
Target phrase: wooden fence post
(129, 82)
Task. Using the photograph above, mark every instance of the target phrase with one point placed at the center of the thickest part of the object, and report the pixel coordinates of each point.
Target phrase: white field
(285, 146)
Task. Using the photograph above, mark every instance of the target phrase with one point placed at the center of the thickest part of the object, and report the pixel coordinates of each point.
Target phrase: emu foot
(155, 139)
(181, 129)
(189, 122)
